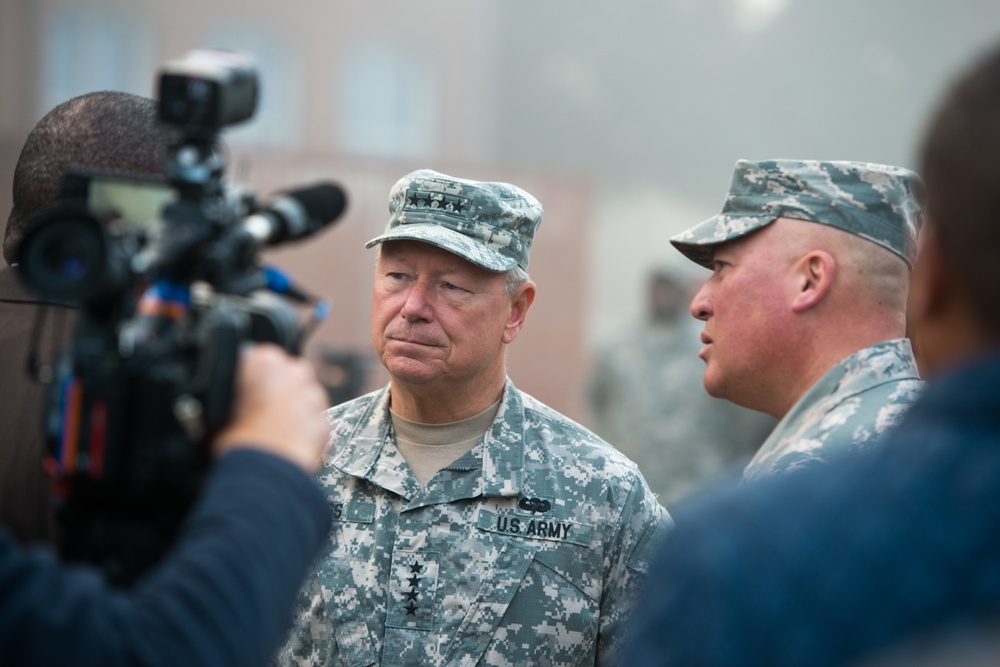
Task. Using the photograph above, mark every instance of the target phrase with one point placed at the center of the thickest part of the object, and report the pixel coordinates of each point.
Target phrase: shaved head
(870, 273)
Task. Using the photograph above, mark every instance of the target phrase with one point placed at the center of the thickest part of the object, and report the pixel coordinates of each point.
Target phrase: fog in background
(654, 100)
(658, 99)
(624, 116)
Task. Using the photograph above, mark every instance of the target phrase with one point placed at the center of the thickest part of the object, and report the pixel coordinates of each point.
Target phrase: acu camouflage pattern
(849, 407)
(528, 550)
(876, 202)
(491, 225)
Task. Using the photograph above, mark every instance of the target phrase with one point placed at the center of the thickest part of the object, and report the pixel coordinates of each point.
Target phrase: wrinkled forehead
(414, 253)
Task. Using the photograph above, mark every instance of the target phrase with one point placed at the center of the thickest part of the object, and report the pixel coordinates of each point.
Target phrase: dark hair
(107, 130)
(960, 163)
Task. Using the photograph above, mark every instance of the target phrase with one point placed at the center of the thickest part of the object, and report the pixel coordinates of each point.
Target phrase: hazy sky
(672, 92)
(652, 101)
(657, 99)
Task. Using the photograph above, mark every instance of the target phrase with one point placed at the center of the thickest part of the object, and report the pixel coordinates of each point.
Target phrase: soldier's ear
(813, 274)
(520, 303)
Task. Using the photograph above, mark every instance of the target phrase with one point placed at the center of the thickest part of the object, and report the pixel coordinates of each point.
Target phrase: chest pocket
(565, 546)
(552, 590)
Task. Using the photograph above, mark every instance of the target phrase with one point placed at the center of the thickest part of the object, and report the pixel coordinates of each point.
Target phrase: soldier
(890, 551)
(805, 310)
(472, 524)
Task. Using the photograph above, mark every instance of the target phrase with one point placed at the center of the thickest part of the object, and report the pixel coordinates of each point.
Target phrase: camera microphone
(294, 215)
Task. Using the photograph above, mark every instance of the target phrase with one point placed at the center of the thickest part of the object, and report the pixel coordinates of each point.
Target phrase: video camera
(169, 286)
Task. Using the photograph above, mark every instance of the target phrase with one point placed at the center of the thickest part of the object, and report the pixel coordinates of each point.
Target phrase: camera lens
(65, 258)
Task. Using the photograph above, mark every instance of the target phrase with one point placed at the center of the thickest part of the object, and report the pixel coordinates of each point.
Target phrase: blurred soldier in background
(647, 399)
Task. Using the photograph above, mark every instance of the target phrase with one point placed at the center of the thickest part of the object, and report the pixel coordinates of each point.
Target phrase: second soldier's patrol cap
(877, 202)
(491, 225)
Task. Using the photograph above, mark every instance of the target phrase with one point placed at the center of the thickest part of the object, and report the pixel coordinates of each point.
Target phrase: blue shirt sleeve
(222, 596)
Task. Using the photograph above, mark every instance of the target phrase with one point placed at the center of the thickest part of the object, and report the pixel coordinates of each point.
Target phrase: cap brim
(698, 243)
(450, 240)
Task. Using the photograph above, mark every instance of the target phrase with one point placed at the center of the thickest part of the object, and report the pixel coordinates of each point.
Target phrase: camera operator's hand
(278, 408)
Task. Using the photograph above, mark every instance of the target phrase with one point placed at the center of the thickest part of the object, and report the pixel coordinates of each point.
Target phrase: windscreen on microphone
(297, 214)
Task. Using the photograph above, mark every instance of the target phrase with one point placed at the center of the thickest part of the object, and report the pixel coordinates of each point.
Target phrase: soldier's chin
(713, 385)
(411, 371)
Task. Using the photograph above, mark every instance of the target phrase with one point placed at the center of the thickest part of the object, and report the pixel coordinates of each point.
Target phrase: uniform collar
(501, 452)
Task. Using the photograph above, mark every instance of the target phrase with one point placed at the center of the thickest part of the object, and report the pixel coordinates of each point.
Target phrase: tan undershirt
(428, 448)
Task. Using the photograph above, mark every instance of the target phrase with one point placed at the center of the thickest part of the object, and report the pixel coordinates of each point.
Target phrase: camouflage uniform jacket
(852, 404)
(527, 550)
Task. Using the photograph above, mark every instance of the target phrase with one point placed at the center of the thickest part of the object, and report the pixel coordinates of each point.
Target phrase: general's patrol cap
(491, 225)
(877, 202)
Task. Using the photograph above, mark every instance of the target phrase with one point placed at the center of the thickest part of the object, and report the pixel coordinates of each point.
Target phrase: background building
(623, 117)
(351, 91)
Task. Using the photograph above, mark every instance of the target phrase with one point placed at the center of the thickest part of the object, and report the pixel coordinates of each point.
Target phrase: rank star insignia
(414, 581)
(416, 567)
(411, 609)
(411, 595)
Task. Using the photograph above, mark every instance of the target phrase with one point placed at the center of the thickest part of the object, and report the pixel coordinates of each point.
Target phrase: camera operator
(110, 131)
(223, 595)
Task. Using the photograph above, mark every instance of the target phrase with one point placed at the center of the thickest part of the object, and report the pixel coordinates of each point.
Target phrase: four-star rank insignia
(417, 199)
(413, 589)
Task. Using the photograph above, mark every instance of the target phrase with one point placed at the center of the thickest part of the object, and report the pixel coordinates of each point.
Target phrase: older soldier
(472, 524)
(805, 310)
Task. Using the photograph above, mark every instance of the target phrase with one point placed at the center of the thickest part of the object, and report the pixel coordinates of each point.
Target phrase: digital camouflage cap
(877, 202)
(491, 225)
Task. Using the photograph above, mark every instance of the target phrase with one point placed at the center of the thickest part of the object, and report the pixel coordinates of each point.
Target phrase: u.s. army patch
(540, 528)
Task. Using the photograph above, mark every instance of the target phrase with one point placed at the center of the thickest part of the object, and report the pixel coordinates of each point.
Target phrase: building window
(90, 50)
(278, 118)
(388, 105)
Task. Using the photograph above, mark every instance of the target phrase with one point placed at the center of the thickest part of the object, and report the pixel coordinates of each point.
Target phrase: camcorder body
(167, 279)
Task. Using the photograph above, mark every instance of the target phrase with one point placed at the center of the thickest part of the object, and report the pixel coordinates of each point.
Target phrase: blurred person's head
(451, 291)
(102, 131)
(810, 264)
(954, 305)
(666, 295)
